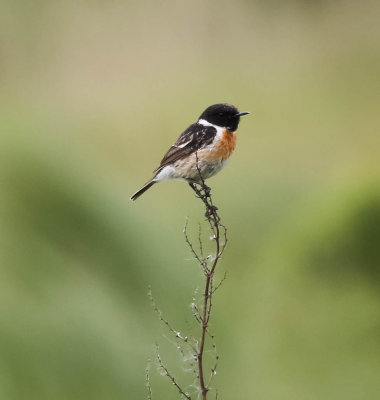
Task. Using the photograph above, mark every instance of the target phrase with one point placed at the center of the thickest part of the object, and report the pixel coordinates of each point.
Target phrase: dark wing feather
(194, 138)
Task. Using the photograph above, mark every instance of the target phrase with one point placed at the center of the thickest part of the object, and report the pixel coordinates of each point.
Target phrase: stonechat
(201, 150)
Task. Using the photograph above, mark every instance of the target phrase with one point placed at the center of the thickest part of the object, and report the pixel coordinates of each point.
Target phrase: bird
(201, 150)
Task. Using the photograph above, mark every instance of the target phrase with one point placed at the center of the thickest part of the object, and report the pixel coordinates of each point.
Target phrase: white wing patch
(181, 146)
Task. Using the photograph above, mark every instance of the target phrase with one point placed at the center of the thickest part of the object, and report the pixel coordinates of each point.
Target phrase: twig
(203, 192)
(170, 376)
(196, 312)
(200, 239)
(214, 367)
(220, 283)
(147, 378)
(201, 313)
(201, 261)
(176, 333)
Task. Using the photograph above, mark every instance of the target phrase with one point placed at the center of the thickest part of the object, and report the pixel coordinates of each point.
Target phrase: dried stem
(203, 192)
(201, 312)
(147, 379)
(170, 376)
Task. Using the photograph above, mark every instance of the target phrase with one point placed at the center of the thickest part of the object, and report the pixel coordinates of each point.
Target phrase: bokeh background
(92, 94)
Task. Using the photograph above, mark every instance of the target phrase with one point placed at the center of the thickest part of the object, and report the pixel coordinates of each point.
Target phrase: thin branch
(170, 376)
(196, 312)
(176, 333)
(201, 313)
(214, 367)
(147, 379)
(200, 239)
(220, 283)
(201, 261)
(203, 192)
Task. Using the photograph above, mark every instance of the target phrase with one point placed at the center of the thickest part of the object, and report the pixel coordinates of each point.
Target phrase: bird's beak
(241, 113)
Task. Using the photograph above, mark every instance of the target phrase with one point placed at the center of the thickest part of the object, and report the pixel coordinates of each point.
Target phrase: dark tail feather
(142, 190)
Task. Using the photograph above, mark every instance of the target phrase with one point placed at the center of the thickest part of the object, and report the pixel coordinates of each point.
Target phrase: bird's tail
(143, 189)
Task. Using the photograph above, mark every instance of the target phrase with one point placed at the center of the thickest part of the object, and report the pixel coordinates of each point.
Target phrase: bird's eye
(220, 114)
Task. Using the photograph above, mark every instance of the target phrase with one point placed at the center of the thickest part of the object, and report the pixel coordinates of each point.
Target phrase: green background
(92, 93)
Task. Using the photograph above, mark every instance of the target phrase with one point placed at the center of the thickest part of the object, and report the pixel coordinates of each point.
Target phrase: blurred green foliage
(92, 94)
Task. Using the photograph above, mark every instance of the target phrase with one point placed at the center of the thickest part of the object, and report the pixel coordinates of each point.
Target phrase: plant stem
(204, 193)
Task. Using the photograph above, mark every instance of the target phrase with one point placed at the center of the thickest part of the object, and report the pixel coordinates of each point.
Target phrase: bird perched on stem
(201, 150)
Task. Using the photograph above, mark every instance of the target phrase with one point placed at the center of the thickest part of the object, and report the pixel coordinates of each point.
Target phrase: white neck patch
(206, 123)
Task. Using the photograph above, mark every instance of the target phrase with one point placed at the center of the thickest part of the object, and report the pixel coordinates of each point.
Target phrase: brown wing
(194, 138)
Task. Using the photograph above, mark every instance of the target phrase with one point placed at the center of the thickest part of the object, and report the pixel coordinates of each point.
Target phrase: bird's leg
(203, 192)
(192, 185)
(200, 191)
(206, 189)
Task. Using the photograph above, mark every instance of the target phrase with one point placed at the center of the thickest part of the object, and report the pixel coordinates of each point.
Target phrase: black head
(225, 115)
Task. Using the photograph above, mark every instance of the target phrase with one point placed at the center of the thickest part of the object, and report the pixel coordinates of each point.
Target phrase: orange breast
(226, 145)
